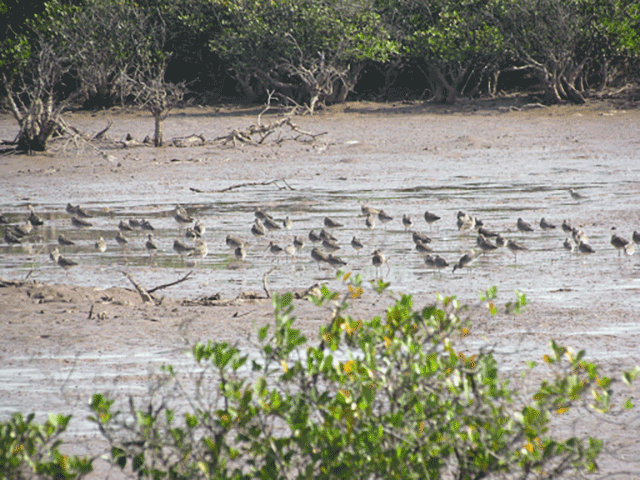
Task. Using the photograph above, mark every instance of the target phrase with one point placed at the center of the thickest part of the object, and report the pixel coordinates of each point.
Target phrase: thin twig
(160, 287)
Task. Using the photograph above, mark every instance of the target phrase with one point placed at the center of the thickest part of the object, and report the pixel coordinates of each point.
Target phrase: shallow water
(496, 188)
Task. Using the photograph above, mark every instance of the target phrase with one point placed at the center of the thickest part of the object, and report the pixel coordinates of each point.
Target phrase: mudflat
(67, 333)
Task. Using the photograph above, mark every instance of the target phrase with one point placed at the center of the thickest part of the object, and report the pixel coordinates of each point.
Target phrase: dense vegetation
(306, 52)
(311, 52)
(403, 395)
(326, 49)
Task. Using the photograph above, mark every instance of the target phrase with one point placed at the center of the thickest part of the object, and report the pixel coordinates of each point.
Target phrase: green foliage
(401, 395)
(29, 449)
(317, 44)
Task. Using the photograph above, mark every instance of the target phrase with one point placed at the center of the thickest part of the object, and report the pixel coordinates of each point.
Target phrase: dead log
(190, 141)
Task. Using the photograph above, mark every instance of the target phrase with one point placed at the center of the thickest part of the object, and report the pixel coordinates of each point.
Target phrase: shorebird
(575, 195)
(79, 222)
(430, 217)
(318, 256)
(636, 237)
(261, 214)
(60, 260)
(465, 221)
(465, 260)
(367, 210)
(240, 252)
(579, 236)
(271, 224)
(323, 234)
(430, 261)
(384, 217)
(500, 241)
(257, 229)
(619, 243)
(62, 240)
(191, 233)
(484, 244)
(370, 222)
(23, 230)
(146, 225)
(423, 247)
(34, 219)
(101, 245)
(314, 237)
(335, 261)
(566, 226)
(524, 226)
(3, 220)
(544, 225)
(71, 209)
(181, 247)
(356, 243)
(290, 250)
(330, 244)
(125, 227)
(515, 248)
(121, 239)
(181, 215)
(150, 244)
(275, 248)
(200, 249)
(81, 212)
(134, 223)
(585, 248)
(331, 223)
(298, 242)
(407, 222)
(440, 263)
(487, 233)
(198, 228)
(11, 238)
(378, 259)
(287, 223)
(420, 238)
(568, 244)
(234, 242)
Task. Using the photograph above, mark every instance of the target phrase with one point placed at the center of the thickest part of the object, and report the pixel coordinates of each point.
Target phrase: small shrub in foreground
(397, 396)
(30, 450)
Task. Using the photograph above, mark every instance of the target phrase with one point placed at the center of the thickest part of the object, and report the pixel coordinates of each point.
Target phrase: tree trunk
(572, 93)
(158, 138)
(31, 144)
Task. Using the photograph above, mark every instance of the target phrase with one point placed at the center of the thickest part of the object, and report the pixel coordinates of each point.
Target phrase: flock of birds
(325, 245)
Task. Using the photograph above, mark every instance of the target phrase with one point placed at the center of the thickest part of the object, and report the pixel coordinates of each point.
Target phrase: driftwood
(190, 141)
(263, 132)
(249, 296)
(147, 295)
(247, 184)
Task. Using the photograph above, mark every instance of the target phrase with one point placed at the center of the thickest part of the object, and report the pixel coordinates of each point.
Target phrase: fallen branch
(263, 131)
(160, 287)
(247, 184)
(146, 296)
(264, 283)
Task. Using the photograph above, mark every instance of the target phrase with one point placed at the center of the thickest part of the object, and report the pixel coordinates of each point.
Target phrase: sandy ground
(59, 343)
